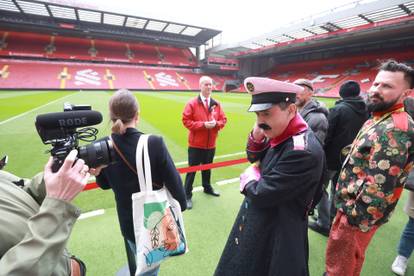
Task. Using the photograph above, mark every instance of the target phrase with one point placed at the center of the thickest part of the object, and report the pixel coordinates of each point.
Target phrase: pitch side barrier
(91, 186)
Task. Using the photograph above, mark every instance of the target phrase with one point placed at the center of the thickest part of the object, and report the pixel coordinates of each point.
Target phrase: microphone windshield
(68, 119)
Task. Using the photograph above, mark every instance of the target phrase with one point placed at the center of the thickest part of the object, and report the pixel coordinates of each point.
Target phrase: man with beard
(374, 172)
(270, 236)
(312, 111)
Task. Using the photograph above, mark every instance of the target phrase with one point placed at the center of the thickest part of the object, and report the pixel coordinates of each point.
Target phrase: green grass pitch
(97, 240)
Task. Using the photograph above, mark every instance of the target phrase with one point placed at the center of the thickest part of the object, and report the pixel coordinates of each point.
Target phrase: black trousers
(131, 258)
(196, 157)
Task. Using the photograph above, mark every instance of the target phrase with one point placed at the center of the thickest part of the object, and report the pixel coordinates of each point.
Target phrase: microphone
(68, 119)
(61, 125)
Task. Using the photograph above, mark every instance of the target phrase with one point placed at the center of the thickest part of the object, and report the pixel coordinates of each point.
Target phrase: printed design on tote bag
(165, 232)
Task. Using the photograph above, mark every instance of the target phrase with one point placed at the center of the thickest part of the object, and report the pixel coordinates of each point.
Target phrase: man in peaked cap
(269, 236)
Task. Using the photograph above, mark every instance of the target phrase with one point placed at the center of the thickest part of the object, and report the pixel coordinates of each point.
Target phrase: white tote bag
(158, 222)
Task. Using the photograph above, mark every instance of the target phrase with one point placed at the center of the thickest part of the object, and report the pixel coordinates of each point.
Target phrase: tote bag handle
(143, 163)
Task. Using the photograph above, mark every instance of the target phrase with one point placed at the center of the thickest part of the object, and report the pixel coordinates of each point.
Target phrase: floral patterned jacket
(374, 173)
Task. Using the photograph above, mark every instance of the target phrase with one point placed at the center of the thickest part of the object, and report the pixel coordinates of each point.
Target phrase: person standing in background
(374, 172)
(204, 118)
(312, 111)
(315, 115)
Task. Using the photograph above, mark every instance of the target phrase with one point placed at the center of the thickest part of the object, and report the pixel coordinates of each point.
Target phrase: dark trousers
(130, 257)
(333, 188)
(326, 208)
(196, 157)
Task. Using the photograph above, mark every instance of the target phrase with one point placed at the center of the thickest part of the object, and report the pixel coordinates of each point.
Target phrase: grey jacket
(34, 229)
(315, 115)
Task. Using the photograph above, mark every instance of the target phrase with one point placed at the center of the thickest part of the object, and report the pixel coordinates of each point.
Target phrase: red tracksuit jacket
(195, 114)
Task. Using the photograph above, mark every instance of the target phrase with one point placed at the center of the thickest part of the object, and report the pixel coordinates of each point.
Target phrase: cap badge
(250, 87)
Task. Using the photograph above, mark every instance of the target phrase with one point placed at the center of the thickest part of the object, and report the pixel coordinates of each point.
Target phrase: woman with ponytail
(121, 176)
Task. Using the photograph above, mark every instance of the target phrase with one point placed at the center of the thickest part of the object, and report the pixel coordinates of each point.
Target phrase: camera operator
(36, 219)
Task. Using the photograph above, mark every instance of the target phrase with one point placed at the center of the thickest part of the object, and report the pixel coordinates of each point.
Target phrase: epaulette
(400, 120)
(299, 142)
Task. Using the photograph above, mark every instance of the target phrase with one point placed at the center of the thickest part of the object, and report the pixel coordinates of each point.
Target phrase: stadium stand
(29, 74)
(23, 44)
(343, 43)
(328, 75)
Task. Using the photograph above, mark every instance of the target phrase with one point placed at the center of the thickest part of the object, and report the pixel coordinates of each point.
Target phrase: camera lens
(97, 153)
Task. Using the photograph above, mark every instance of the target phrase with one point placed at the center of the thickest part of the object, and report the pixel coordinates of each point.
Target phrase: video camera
(60, 130)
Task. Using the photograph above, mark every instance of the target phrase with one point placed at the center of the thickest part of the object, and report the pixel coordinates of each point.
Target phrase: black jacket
(270, 234)
(124, 182)
(345, 120)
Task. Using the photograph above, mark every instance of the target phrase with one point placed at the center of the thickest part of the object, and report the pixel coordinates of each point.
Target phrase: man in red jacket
(204, 117)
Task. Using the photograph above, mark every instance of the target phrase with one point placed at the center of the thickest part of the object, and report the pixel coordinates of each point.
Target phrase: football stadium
(57, 52)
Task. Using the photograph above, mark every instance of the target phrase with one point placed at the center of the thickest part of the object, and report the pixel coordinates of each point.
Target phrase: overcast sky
(238, 20)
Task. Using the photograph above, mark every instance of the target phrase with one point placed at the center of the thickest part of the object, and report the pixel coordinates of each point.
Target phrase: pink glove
(251, 173)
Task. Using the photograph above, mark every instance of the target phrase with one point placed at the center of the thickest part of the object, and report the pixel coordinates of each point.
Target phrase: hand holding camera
(69, 180)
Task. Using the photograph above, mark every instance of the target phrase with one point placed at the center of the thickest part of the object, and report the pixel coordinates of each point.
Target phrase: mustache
(376, 96)
(264, 126)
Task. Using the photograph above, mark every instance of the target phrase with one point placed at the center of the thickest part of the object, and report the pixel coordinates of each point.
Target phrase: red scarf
(295, 126)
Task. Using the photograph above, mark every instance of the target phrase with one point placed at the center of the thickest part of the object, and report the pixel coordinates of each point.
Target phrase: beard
(381, 105)
(300, 103)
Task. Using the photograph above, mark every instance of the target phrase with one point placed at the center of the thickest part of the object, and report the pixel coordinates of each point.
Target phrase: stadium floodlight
(8, 5)
(63, 12)
(33, 8)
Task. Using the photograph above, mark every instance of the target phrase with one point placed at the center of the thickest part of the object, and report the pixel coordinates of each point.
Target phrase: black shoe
(318, 228)
(212, 192)
(189, 204)
(325, 274)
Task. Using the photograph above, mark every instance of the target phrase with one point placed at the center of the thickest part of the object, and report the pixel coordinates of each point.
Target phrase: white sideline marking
(227, 181)
(216, 157)
(198, 189)
(34, 109)
(92, 214)
(219, 183)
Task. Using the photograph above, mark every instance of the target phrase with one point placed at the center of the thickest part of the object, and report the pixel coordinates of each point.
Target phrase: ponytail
(118, 127)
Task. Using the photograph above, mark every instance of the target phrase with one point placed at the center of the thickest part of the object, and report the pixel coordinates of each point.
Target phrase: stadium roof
(44, 16)
(347, 18)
